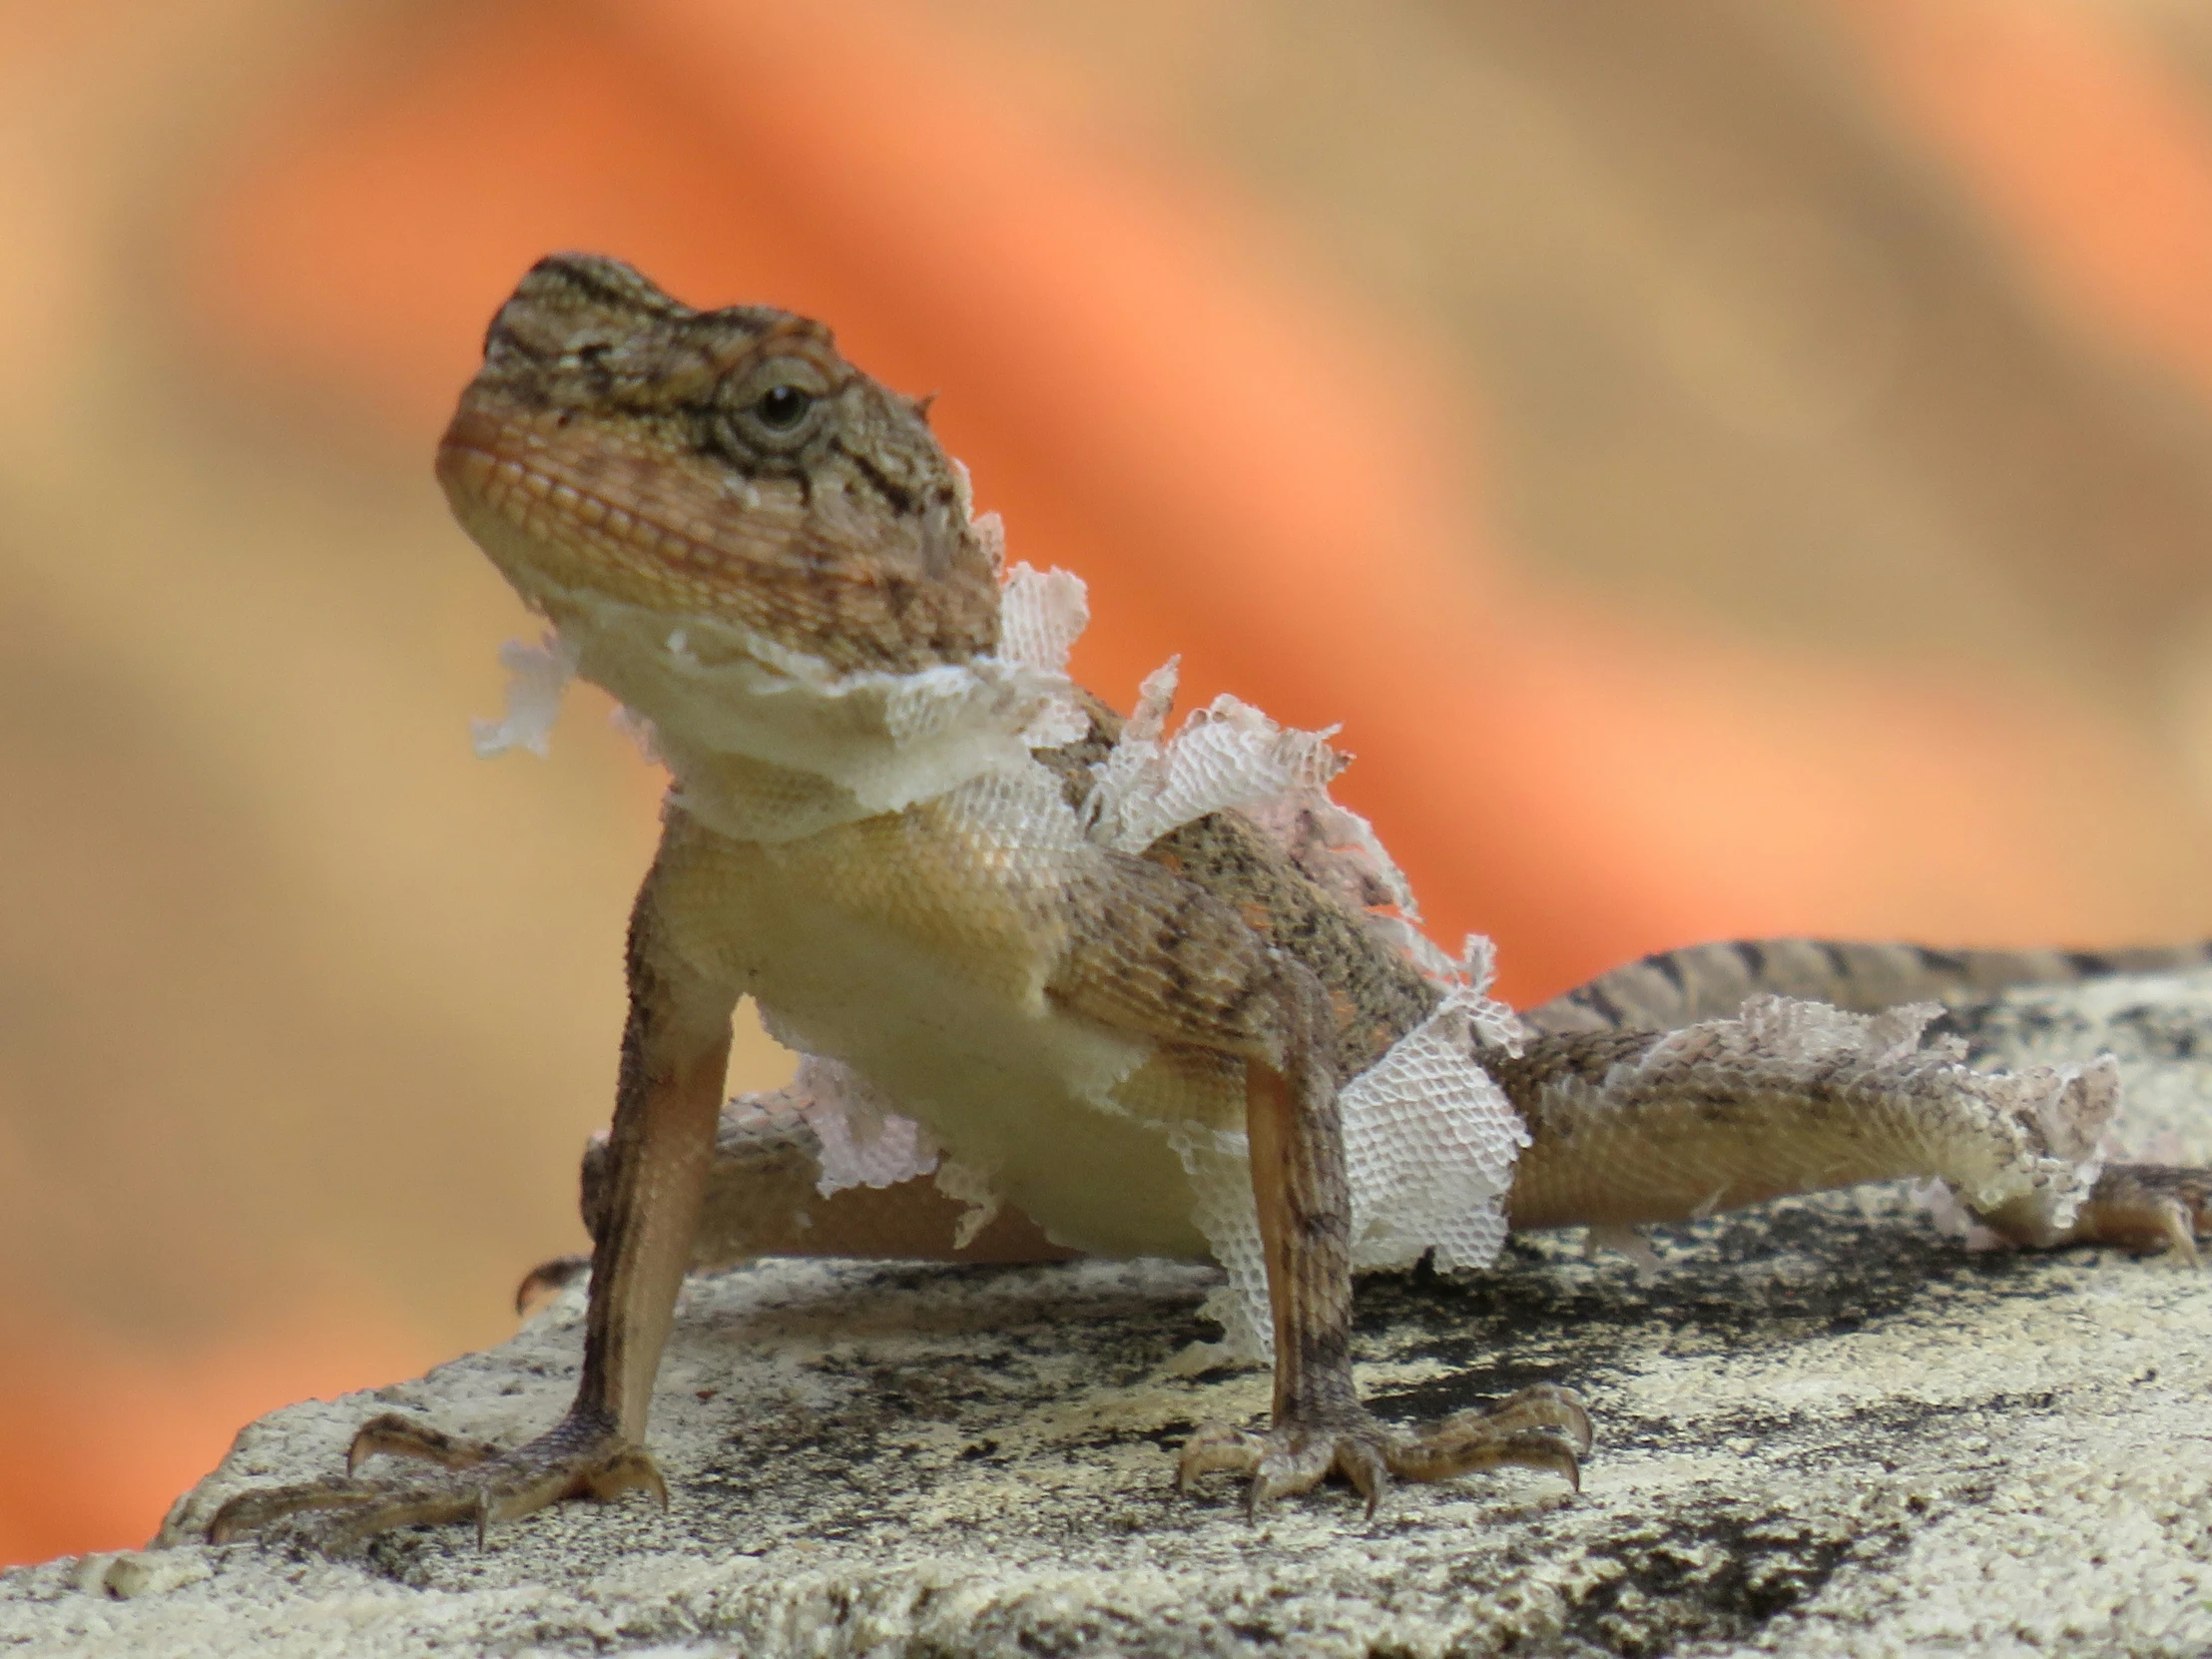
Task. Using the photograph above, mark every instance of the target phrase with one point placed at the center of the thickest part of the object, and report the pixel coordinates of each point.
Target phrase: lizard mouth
(565, 505)
(584, 518)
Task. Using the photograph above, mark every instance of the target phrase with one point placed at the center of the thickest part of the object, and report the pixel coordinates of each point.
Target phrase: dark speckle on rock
(1822, 1428)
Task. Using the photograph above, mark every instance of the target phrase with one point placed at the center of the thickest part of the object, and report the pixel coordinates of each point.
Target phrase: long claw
(250, 1512)
(547, 1279)
(1217, 1446)
(408, 1437)
(1367, 1469)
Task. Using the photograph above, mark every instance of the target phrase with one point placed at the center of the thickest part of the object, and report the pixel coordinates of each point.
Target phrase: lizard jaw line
(576, 526)
(695, 542)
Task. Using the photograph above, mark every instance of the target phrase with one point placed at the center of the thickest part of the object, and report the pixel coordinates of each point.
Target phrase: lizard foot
(577, 1459)
(2147, 1207)
(1542, 1427)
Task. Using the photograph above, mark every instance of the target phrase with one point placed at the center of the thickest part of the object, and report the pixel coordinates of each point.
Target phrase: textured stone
(1822, 1428)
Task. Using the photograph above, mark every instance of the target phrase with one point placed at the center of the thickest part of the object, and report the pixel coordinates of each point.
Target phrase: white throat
(768, 744)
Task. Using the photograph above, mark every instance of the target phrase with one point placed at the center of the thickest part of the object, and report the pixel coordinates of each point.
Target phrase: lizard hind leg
(2145, 1208)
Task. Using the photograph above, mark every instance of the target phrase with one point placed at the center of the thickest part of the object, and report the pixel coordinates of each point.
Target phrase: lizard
(1152, 992)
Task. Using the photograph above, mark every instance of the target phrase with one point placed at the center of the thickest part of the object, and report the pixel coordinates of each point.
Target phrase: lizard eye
(781, 408)
(778, 405)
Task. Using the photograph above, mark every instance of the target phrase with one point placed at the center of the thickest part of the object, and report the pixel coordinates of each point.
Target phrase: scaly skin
(678, 491)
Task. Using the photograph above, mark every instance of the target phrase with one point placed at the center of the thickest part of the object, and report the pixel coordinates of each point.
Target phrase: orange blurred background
(1732, 468)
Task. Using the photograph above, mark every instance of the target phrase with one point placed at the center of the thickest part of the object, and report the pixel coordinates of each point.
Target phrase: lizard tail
(1673, 988)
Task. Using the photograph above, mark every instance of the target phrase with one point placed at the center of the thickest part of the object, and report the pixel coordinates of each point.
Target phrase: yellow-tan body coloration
(910, 948)
(766, 554)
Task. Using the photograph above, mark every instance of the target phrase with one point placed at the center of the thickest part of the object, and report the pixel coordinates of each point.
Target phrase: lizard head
(726, 466)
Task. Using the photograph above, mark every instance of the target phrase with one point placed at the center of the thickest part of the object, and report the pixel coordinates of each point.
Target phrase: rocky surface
(1822, 1428)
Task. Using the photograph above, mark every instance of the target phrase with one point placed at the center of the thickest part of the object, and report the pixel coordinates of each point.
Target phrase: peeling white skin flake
(866, 1141)
(778, 745)
(639, 729)
(990, 534)
(1951, 1219)
(966, 1185)
(1337, 848)
(537, 676)
(1218, 1165)
(1430, 1147)
(1041, 614)
(1228, 755)
(1429, 1140)
(1492, 1024)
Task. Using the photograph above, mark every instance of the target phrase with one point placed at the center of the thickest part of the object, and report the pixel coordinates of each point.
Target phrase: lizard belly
(910, 951)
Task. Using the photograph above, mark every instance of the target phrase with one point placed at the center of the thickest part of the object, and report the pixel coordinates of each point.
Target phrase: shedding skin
(1319, 1428)
(691, 495)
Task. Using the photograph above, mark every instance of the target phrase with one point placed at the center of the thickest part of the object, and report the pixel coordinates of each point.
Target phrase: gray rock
(1822, 1428)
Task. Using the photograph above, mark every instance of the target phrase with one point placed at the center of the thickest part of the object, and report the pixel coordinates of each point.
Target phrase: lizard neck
(768, 744)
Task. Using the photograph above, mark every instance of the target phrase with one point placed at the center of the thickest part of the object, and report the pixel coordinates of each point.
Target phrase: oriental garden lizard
(1126, 992)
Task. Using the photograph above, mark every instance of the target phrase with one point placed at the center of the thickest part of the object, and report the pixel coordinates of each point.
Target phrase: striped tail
(1673, 988)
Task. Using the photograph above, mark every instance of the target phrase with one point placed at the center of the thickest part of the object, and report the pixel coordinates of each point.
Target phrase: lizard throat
(768, 744)
(556, 532)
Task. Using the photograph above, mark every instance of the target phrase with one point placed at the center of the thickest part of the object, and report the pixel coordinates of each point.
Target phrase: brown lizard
(1159, 997)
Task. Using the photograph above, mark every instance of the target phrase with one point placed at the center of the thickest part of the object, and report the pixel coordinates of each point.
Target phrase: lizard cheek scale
(1063, 981)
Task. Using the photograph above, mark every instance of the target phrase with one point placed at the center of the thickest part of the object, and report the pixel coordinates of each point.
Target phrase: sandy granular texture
(1820, 1430)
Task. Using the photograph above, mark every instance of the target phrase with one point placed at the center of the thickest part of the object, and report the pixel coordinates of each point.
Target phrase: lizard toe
(399, 1437)
(1540, 1427)
(1215, 1448)
(1295, 1460)
(1287, 1460)
(472, 1482)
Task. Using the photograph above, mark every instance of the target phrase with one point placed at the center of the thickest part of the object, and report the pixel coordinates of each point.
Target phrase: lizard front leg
(675, 1051)
(1303, 1200)
(1153, 953)
(1305, 1233)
